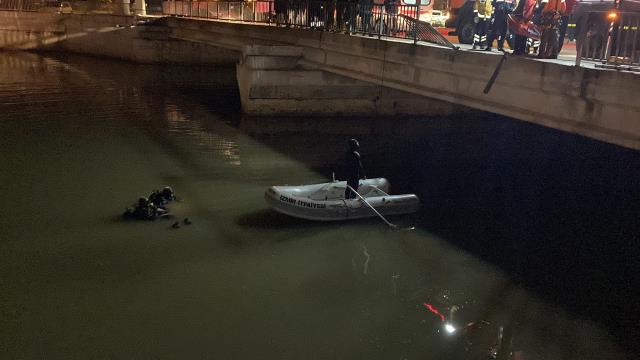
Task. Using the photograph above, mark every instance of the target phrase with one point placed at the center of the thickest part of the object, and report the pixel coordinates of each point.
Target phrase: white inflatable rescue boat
(326, 201)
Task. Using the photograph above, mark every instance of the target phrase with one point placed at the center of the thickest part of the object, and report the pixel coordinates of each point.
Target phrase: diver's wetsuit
(354, 172)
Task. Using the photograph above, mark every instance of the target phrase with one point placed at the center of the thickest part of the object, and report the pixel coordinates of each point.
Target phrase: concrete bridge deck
(566, 57)
(583, 100)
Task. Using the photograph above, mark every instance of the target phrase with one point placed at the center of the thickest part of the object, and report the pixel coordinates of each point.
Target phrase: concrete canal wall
(270, 84)
(275, 80)
(115, 36)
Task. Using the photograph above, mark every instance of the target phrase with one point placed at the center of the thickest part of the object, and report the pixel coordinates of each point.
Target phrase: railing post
(417, 23)
(635, 58)
(619, 40)
(613, 46)
(382, 13)
(610, 44)
(352, 17)
(582, 37)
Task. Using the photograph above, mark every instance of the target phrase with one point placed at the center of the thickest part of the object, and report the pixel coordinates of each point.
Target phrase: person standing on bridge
(550, 18)
(564, 21)
(329, 10)
(364, 8)
(501, 8)
(521, 16)
(390, 21)
(280, 7)
(355, 171)
(482, 10)
(342, 15)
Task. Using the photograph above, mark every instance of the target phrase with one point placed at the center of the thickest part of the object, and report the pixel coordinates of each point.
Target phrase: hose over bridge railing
(375, 20)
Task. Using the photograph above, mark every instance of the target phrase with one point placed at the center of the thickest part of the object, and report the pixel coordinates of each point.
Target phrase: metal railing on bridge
(61, 6)
(22, 5)
(376, 20)
(612, 39)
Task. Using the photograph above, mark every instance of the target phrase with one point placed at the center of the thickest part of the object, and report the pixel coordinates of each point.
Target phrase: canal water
(527, 237)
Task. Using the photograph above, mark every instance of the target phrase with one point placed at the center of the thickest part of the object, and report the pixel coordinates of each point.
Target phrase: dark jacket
(355, 171)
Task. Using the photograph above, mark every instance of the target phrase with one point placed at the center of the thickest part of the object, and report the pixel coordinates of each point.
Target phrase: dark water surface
(526, 232)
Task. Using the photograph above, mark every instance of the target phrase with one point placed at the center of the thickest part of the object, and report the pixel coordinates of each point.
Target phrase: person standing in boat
(355, 171)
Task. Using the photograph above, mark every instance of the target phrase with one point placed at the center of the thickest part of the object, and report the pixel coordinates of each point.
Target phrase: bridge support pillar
(272, 81)
(124, 7)
(139, 7)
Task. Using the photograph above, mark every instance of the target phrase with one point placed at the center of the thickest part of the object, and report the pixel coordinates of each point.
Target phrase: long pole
(494, 76)
(393, 226)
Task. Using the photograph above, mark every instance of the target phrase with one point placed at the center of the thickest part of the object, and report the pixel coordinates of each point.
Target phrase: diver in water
(153, 207)
(355, 171)
(144, 210)
(163, 197)
(156, 198)
(167, 194)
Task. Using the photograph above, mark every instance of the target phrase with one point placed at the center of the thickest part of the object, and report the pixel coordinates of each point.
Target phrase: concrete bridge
(283, 71)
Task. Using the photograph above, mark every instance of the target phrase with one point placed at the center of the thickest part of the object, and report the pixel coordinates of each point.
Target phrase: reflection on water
(178, 123)
(83, 138)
